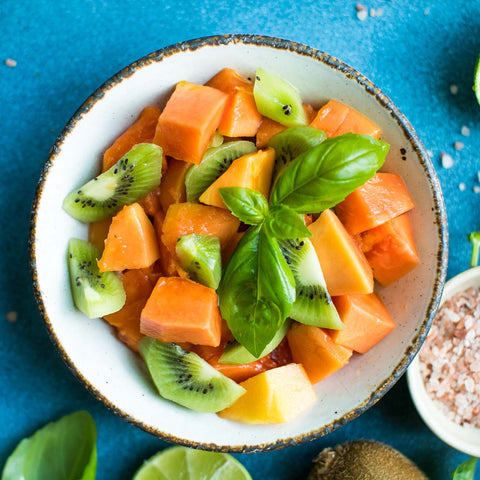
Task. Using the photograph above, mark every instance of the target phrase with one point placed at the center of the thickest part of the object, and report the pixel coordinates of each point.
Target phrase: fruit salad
(235, 238)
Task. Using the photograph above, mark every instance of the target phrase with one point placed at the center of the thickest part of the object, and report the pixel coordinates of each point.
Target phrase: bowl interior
(463, 438)
(115, 374)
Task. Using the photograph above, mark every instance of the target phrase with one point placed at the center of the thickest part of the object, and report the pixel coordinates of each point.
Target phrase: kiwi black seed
(215, 162)
(131, 178)
(185, 378)
(292, 142)
(313, 304)
(95, 294)
(363, 460)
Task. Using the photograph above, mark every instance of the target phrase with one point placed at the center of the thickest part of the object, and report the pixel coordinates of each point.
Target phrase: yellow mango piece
(274, 396)
(253, 170)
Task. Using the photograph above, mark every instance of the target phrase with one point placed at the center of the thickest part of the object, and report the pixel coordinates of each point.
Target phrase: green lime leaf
(466, 470)
(476, 80)
(248, 205)
(284, 223)
(61, 450)
(182, 463)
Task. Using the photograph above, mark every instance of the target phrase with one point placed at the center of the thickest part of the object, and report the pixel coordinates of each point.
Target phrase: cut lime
(476, 80)
(182, 463)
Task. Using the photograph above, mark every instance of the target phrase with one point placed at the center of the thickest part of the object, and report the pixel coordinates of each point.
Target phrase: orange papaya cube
(366, 321)
(186, 218)
(143, 130)
(167, 260)
(344, 265)
(131, 241)
(189, 120)
(381, 198)
(316, 351)
(355, 122)
(172, 186)
(227, 80)
(390, 249)
(275, 396)
(151, 202)
(138, 285)
(98, 231)
(253, 170)
(179, 310)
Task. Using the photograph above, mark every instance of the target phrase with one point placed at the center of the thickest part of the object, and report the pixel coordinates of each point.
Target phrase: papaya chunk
(179, 310)
(98, 231)
(142, 131)
(167, 260)
(172, 186)
(131, 241)
(366, 321)
(381, 198)
(390, 249)
(189, 120)
(151, 202)
(227, 80)
(344, 265)
(316, 351)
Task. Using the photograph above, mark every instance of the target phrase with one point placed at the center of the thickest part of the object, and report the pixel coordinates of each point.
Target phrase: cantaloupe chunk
(275, 396)
(366, 321)
(179, 310)
(142, 131)
(336, 118)
(172, 186)
(383, 197)
(186, 218)
(98, 231)
(316, 351)
(131, 241)
(253, 170)
(390, 249)
(344, 266)
(189, 120)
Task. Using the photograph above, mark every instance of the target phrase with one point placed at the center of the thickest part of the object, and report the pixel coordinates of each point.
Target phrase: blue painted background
(65, 50)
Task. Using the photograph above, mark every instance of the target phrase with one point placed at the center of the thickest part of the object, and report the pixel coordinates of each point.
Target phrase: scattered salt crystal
(465, 131)
(362, 15)
(373, 12)
(476, 189)
(426, 11)
(447, 160)
(469, 385)
(458, 145)
(10, 62)
(12, 316)
(453, 89)
(462, 187)
(379, 12)
(359, 7)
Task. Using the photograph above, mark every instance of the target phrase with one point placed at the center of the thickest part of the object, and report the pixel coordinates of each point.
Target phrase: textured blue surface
(65, 50)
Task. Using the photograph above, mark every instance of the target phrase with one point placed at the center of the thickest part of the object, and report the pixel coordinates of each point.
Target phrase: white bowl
(464, 438)
(109, 370)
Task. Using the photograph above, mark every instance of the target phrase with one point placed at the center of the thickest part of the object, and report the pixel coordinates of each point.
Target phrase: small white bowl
(463, 438)
(112, 372)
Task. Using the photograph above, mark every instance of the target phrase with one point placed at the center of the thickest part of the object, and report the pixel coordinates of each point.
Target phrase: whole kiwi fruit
(363, 460)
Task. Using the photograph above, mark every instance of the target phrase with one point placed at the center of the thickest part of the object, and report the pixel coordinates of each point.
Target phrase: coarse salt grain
(476, 189)
(426, 11)
(458, 145)
(359, 7)
(465, 131)
(447, 160)
(453, 89)
(10, 62)
(362, 15)
(12, 316)
(462, 187)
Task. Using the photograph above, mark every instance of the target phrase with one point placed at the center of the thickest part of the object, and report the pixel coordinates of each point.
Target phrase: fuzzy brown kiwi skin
(363, 460)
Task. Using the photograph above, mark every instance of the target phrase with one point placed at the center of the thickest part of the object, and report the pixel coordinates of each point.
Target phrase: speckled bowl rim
(410, 136)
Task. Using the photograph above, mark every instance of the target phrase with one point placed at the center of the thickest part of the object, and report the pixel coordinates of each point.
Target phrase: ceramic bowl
(462, 437)
(113, 373)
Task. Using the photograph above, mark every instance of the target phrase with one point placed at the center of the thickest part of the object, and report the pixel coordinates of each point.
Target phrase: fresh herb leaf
(323, 176)
(61, 450)
(466, 470)
(248, 205)
(257, 290)
(474, 239)
(284, 223)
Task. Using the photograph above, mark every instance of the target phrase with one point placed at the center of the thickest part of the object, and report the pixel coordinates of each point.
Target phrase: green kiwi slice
(215, 162)
(200, 257)
(313, 304)
(290, 143)
(138, 172)
(235, 353)
(95, 294)
(185, 378)
(278, 100)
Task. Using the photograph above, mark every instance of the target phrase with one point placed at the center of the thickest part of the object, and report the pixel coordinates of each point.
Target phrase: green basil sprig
(248, 205)
(324, 175)
(466, 470)
(284, 223)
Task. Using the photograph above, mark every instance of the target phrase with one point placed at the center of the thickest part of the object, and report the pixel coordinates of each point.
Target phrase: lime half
(182, 463)
(476, 79)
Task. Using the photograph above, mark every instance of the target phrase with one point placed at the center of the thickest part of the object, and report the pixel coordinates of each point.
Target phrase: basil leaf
(323, 176)
(61, 450)
(284, 223)
(466, 470)
(257, 290)
(248, 205)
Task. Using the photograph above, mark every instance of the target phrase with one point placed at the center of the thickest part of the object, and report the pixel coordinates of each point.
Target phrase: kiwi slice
(215, 162)
(200, 257)
(278, 100)
(313, 304)
(290, 143)
(185, 378)
(95, 294)
(217, 139)
(131, 178)
(363, 460)
(235, 353)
